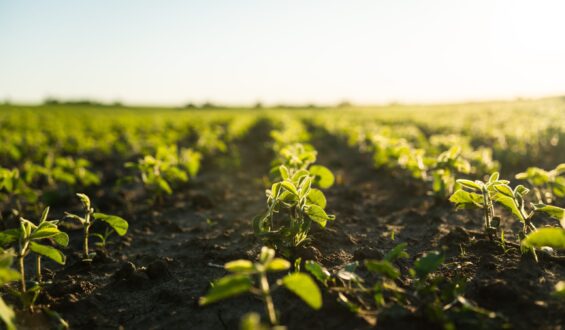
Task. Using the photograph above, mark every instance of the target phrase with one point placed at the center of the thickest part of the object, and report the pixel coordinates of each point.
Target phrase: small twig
(210, 264)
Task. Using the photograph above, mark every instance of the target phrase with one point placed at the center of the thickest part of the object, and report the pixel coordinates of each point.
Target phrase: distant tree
(50, 101)
(344, 104)
(209, 105)
(258, 105)
(190, 105)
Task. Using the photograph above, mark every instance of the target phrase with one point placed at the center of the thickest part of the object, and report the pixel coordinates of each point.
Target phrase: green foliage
(66, 170)
(13, 186)
(31, 238)
(547, 184)
(551, 237)
(436, 298)
(169, 167)
(292, 205)
(7, 275)
(119, 225)
(479, 194)
(251, 277)
(445, 168)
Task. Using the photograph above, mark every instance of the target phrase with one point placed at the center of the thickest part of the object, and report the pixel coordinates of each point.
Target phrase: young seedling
(28, 236)
(119, 225)
(103, 237)
(13, 187)
(251, 277)
(445, 167)
(297, 204)
(168, 167)
(434, 297)
(480, 195)
(547, 184)
(552, 237)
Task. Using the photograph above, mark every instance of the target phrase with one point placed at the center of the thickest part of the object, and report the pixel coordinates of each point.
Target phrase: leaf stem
(266, 294)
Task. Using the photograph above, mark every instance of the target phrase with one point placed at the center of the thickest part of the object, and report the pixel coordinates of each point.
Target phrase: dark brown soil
(152, 278)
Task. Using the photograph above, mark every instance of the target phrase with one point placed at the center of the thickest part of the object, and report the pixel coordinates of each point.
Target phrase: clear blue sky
(238, 51)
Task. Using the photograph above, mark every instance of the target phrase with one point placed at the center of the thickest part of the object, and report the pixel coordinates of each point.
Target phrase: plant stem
(38, 269)
(22, 272)
(87, 225)
(85, 243)
(487, 210)
(265, 292)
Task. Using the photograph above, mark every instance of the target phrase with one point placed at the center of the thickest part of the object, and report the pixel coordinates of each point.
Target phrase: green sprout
(251, 277)
(479, 194)
(296, 204)
(168, 167)
(446, 166)
(547, 184)
(28, 236)
(119, 225)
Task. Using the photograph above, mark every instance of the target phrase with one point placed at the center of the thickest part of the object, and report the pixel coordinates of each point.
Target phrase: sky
(287, 51)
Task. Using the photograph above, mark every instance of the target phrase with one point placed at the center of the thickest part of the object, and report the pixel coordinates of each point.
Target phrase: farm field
(397, 217)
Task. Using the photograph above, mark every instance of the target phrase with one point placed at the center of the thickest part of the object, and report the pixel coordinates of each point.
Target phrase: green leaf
(61, 239)
(510, 203)
(323, 177)
(44, 215)
(278, 265)
(317, 214)
(239, 266)
(289, 187)
(6, 258)
(552, 237)
(469, 184)
(464, 199)
(553, 211)
(428, 263)
(48, 251)
(283, 170)
(7, 315)
(316, 196)
(319, 272)
(382, 267)
(118, 224)
(397, 252)
(8, 275)
(164, 185)
(299, 174)
(521, 190)
(226, 287)
(44, 232)
(9, 236)
(494, 177)
(305, 288)
(84, 200)
(505, 190)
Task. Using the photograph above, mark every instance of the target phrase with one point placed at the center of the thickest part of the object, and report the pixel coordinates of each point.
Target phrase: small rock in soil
(158, 270)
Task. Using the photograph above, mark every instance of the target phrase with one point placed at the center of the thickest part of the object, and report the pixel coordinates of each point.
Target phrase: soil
(152, 278)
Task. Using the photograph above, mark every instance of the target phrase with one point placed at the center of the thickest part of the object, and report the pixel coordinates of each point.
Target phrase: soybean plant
(28, 236)
(119, 225)
(297, 204)
(251, 277)
(480, 195)
(547, 184)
